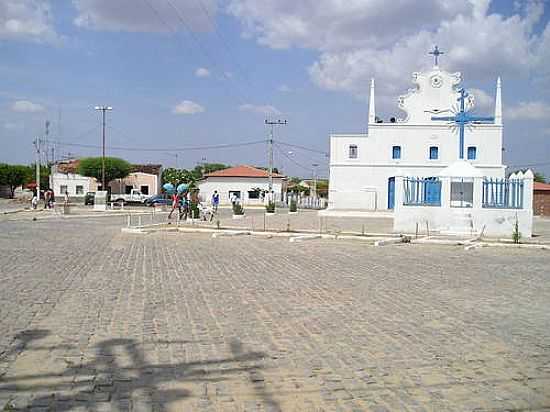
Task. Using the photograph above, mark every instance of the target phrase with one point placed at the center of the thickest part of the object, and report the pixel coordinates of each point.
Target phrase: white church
(436, 160)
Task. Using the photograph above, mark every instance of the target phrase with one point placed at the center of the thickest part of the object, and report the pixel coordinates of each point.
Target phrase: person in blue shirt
(215, 201)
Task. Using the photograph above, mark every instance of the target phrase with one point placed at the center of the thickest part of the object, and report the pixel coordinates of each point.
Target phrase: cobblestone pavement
(93, 319)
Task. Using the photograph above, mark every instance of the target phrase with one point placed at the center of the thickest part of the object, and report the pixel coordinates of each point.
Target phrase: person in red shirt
(175, 204)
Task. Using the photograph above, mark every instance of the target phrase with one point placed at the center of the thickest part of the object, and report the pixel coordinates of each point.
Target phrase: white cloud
(202, 72)
(25, 106)
(146, 16)
(483, 101)
(529, 111)
(188, 107)
(26, 20)
(369, 38)
(267, 110)
(283, 88)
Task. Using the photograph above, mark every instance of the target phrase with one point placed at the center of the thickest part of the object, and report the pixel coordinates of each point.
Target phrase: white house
(64, 178)
(363, 166)
(246, 182)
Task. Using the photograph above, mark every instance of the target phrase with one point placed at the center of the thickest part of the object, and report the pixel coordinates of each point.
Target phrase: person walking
(175, 204)
(46, 199)
(215, 201)
(34, 201)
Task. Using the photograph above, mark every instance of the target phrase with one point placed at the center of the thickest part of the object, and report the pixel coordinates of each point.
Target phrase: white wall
(71, 181)
(492, 222)
(374, 164)
(225, 184)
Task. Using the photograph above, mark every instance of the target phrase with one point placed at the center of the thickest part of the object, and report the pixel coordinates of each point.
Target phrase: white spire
(372, 112)
(498, 104)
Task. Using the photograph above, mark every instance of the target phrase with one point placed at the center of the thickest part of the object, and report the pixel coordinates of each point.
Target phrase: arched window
(472, 153)
(396, 152)
(353, 151)
(434, 152)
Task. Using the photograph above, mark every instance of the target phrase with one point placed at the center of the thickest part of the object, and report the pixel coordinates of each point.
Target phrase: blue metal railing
(503, 193)
(422, 191)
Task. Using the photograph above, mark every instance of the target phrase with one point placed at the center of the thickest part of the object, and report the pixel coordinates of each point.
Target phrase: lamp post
(103, 109)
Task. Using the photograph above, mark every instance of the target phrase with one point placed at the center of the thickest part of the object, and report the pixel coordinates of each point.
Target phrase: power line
(303, 148)
(149, 149)
(291, 159)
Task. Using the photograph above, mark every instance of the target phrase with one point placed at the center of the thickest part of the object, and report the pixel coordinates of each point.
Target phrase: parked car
(89, 198)
(158, 200)
(135, 196)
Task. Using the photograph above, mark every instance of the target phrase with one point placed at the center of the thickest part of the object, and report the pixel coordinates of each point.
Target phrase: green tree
(199, 171)
(13, 176)
(115, 168)
(177, 176)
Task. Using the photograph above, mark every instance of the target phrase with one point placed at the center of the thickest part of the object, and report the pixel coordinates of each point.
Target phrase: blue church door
(391, 192)
(432, 187)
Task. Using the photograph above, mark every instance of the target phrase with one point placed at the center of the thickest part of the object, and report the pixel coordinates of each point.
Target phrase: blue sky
(182, 73)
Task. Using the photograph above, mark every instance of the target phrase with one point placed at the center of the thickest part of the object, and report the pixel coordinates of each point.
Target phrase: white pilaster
(498, 104)
(372, 111)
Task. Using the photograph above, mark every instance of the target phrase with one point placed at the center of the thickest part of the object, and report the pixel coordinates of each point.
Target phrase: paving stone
(108, 321)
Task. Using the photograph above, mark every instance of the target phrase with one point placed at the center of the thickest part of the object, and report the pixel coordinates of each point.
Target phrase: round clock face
(436, 81)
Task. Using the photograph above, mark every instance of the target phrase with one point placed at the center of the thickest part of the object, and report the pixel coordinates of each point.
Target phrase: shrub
(270, 207)
(238, 209)
(516, 235)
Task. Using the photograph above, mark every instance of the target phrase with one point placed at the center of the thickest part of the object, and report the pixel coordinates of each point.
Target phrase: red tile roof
(242, 171)
(541, 186)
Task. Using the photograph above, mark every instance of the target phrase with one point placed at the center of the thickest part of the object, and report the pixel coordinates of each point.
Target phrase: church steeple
(372, 112)
(498, 104)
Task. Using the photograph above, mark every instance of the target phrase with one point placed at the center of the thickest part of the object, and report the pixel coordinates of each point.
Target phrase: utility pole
(270, 153)
(103, 109)
(36, 143)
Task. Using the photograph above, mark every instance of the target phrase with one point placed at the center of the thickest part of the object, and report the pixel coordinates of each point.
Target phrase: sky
(186, 76)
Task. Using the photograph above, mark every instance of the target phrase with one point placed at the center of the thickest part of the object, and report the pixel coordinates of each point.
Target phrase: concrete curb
(302, 238)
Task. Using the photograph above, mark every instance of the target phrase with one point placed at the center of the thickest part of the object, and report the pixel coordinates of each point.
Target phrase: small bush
(516, 235)
(270, 207)
(238, 209)
(293, 206)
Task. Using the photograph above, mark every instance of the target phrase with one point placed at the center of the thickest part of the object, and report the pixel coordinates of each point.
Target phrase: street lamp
(103, 109)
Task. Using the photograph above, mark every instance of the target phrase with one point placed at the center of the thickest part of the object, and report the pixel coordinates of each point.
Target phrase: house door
(391, 192)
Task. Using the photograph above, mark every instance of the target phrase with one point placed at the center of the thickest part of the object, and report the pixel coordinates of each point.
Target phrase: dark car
(89, 198)
(158, 200)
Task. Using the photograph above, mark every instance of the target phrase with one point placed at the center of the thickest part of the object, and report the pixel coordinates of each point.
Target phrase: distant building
(65, 178)
(246, 182)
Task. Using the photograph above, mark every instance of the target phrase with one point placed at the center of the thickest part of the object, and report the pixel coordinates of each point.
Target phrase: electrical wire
(303, 148)
(153, 149)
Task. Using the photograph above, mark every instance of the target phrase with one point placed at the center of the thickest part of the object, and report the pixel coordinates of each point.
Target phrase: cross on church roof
(436, 53)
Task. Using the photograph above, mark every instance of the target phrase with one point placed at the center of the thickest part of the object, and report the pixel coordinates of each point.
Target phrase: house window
(472, 153)
(144, 190)
(253, 194)
(79, 190)
(353, 151)
(396, 152)
(236, 193)
(434, 152)
(128, 189)
(63, 189)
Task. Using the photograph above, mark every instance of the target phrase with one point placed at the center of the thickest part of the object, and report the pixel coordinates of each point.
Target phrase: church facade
(363, 167)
